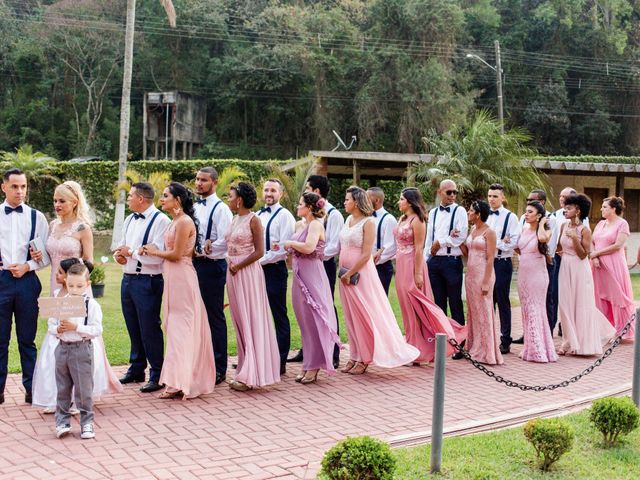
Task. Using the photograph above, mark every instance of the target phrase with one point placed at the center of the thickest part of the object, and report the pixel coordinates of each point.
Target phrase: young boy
(74, 356)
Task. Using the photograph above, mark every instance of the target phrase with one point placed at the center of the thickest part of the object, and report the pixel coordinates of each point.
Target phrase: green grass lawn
(116, 337)
(506, 454)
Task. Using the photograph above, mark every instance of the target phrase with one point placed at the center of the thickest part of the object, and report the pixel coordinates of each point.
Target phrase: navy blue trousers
(19, 300)
(385, 273)
(331, 269)
(141, 299)
(504, 272)
(212, 277)
(445, 276)
(552, 292)
(276, 276)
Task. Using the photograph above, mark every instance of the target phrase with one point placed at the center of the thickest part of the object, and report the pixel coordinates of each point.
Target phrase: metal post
(437, 420)
(499, 86)
(635, 389)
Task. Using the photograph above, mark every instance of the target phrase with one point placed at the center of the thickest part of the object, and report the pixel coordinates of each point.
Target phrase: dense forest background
(279, 75)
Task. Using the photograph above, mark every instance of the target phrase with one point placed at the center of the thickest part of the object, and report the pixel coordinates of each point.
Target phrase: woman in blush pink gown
(188, 370)
(611, 279)
(422, 318)
(585, 329)
(533, 281)
(374, 335)
(482, 343)
(258, 355)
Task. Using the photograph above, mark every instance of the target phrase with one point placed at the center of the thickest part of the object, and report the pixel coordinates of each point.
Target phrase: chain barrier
(553, 386)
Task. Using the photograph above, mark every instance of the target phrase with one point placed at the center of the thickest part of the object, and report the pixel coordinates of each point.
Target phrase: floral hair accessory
(320, 203)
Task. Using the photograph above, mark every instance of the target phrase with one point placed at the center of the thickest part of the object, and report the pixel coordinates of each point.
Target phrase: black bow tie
(494, 212)
(375, 214)
(136, 216)
(265, 209)
(203, 201)
(446, 209)
(9, 210)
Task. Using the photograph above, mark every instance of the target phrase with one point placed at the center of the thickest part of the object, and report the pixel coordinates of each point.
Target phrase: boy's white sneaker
(87, 431)
(62, 430)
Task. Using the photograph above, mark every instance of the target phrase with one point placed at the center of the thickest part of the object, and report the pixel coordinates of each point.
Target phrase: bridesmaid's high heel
(348, 366)
(359, 369)
(308, 379)
(239, 386)
(166, 395)
(300, 376)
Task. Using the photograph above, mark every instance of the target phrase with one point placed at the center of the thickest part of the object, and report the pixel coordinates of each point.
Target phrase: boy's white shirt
(92, 329)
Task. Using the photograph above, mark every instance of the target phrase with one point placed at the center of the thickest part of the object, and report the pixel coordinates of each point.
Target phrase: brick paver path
(282, 431)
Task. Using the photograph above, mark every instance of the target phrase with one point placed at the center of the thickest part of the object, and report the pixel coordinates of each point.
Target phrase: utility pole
(499, 86)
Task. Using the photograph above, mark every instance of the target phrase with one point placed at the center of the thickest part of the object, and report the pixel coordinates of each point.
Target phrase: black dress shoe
(28, 398)
(130, 378)
(457, 356)
(220, 377)
(296, 358)
(1, 398)
(504, 349)
(150, 386)
(283, 368)
(519, 341)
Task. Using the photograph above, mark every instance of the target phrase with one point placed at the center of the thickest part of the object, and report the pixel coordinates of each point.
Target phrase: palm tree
(33, 164)
(479, 155)
(125, 105)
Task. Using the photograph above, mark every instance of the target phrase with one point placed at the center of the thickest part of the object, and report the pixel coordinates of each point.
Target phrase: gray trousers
(74, 371)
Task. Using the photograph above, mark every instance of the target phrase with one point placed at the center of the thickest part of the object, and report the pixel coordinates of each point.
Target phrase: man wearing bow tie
(507, 228)
(142, 286)
(447, 229)
(214, 218)
(278, 224)
(384, 246)
(19, 285)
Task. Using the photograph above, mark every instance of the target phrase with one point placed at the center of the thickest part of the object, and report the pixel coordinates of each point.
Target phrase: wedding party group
(179, 261)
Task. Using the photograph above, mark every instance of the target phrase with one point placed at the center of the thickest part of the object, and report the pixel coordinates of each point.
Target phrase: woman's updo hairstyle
(315, 203)
(481, 208)
(247, 193)
(581, 201)
(617, 203)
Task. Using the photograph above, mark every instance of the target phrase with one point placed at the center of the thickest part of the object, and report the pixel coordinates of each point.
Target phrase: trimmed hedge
(590, 159)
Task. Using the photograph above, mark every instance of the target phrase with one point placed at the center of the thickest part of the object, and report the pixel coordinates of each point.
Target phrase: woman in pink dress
(533, 281)
(311, 292)
(483, 342)
(585, 329)
(258, 356)
(422, 318)
(611, 280)
(188, 370)
(374, 335)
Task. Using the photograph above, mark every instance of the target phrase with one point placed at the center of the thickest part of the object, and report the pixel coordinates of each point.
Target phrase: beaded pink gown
(374, 335)
(533, 281)
(188, 360)
(585, 329)
(483, 342)
(611, 281)
(258, 355)
(422, 318)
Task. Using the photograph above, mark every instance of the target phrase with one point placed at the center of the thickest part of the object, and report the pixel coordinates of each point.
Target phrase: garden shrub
(550, 437)
(614, 416)
(359, 458)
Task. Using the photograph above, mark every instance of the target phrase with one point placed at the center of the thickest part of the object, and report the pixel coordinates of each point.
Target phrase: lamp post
(498, 70)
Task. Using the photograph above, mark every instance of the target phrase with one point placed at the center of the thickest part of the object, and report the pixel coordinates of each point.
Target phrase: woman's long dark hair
(543, 248)
(413, 196)
(184, 195)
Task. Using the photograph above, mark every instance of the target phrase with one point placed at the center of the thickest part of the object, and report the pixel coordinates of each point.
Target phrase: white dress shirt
(220, 222)
(92, 329)
(442, 230)
(496, 223)
(553, 239)
(15, 231)
(387, 240)
(133, 235)
(280, 230)
(332, 228)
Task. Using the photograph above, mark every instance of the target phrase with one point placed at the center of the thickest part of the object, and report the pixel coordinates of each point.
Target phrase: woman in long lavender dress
(585, 329)
(611, 280)
(258, 355)
(533, 281)
(482, 324)
(422, 318)
(311, 292)
(374, 335)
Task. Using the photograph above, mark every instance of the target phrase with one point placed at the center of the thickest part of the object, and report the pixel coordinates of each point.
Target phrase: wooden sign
(62, 307)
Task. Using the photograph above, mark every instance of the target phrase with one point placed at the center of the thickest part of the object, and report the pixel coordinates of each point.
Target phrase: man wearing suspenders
(214, 218)
(333, 223)
(507, 229)
(384, 247)
(279, 225)
(19, 284)
(447, 229)
(142, 285)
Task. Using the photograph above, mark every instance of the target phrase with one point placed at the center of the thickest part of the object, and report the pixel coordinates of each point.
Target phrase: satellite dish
(341, 142)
